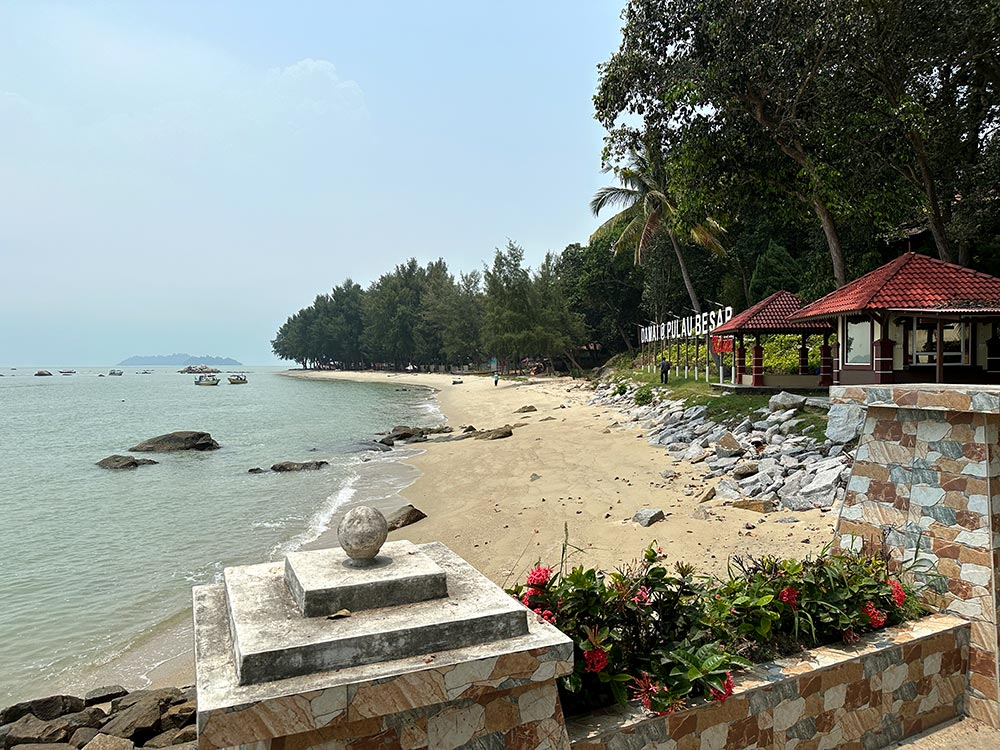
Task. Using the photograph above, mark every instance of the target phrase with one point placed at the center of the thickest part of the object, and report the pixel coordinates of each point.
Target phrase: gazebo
(768, 317)
(915, 319)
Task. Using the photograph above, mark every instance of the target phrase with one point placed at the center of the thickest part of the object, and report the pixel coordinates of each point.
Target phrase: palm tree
(647, 209)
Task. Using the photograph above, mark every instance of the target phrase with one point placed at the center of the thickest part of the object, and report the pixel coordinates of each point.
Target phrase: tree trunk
(684, 272)
(933, 203)
(833, 240)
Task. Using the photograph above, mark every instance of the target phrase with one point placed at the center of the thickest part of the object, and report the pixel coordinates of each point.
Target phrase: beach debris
(339, 614)
(183, 440)
(117, 462)
(534, 477)
(525, 409)
(404, 516)
(299, 465)
(648, 516)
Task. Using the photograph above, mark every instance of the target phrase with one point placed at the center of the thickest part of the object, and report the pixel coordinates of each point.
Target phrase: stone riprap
(762, 462)
(927, 476)
(479, 669)
(891, 685)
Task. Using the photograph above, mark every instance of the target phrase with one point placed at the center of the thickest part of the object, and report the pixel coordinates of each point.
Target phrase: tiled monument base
(927, 475)
(890, 686)
(496, 689)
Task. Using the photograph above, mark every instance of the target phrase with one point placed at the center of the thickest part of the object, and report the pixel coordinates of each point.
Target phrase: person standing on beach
(496, 378)
(664, 371)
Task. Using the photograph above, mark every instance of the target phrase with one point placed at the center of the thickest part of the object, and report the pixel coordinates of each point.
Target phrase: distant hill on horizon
(182, 360)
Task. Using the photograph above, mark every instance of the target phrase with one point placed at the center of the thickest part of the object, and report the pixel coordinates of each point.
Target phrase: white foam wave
(320, 520)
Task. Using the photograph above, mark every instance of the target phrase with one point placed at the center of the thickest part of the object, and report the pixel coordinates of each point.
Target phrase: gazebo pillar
(883, 361)
(804, 355)
(741, 360)
(758, 363)
(993, 353)
(825, 362)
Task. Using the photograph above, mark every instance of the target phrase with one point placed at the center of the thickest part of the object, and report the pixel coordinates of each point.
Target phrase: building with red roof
(771, 316)
(915, 319)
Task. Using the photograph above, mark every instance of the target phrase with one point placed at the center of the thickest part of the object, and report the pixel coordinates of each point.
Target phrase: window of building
(858, 343)
(954, 339)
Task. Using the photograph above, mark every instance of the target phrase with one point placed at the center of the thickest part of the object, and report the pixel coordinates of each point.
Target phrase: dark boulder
(525, 409)
(405, 516)
(42, 708)
(124, 462)
(83, 736)
(496, 434)
(29, 729)
(168, 696)
(107, 742)
(138, 722)
(256, 470)
(179, 715)
(184, 440)
(299, 465)
(104, 693)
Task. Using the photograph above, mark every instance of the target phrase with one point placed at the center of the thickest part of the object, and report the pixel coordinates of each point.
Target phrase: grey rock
(495, 434)
(694, 412)
(164, 739)
(284, 466)
(729, 447)
(525, 409)
(105, 741)
(256, 470)
(42, 708)
(29, 729)
(745, 469)
(179, 716)
(786, 400)
(677, 447)
(362, 532)
(694, 453)
(184, 440)
(45, 746)
(83, 736)
(743, 427)
(727, 489)
(648, 516)
(789, 426)
(404, 516)
(139, 722)
(844, 422)
(104, 694)
(164, 696)
(124, 462)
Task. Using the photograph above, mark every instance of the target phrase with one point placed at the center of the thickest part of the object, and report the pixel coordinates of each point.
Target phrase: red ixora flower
(539, 576)
(727, 689)
(596, 658)
(898, 594)
(876, 616)
(641, 596)
(643, 689)
(545, 615)
(526, 598)
(851, 637)
(790, 596)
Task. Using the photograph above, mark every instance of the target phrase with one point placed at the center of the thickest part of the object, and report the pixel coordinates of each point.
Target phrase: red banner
(722, 344)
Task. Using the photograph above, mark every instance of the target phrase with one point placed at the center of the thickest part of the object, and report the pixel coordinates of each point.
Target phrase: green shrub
(644, 395)
(665, 638)
(620, 390)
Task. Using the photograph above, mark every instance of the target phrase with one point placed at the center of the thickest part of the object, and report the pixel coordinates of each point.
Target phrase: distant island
(172, 360)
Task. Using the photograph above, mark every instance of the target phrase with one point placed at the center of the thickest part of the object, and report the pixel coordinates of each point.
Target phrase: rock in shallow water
(184, 440)
(298, 466)
(117, 462)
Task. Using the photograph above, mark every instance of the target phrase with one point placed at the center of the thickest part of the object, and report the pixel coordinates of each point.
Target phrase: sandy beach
(506, 504)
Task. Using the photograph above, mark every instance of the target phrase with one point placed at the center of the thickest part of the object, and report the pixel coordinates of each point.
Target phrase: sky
(183, 176)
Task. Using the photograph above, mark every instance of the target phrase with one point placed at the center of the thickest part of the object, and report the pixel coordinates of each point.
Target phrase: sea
(95, 561)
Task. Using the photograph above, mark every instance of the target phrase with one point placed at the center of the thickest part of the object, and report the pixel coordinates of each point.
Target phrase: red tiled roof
(771, 316)
(912, 282)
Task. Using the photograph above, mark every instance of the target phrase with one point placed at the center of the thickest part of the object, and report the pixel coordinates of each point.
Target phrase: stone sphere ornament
(362, 533)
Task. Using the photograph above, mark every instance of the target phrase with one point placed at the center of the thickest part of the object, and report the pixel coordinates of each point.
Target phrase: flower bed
(667, 638)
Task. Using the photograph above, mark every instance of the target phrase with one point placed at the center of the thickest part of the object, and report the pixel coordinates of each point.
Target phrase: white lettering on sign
(687, 326)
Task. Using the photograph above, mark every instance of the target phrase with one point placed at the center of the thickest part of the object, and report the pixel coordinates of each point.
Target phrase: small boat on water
(67, 372)
(206, 380)
(238, 379)
(116, 372)
(43, 374)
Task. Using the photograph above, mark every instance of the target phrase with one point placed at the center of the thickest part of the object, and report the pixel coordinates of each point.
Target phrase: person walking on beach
(496, 378)
(664, 371)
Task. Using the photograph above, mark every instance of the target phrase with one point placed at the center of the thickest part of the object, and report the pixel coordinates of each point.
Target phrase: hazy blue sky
(181, 176)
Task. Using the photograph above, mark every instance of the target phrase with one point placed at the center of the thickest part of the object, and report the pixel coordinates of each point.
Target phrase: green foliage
(644, 395)
(775, 271)
(665, 637)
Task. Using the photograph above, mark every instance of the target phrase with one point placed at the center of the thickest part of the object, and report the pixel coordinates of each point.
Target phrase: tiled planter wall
(889, 686)
(927, 473)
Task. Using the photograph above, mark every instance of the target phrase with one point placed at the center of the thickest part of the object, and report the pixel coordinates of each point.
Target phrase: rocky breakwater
(764, 462)
(108, 718)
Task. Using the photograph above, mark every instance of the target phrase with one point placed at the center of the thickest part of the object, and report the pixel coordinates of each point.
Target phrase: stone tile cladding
(508, 700)
(927, 474)
(890, 685)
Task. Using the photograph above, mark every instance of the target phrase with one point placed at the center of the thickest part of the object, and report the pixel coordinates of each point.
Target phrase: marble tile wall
(926, 483)
(891, 685)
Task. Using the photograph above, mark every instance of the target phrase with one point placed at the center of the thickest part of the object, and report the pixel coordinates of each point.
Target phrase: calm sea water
(92, 559)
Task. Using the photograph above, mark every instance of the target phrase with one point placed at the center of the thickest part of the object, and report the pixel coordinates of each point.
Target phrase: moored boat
(237, 379)
(116, 372)
(206, 380)
(43, 374)
(67, 372)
